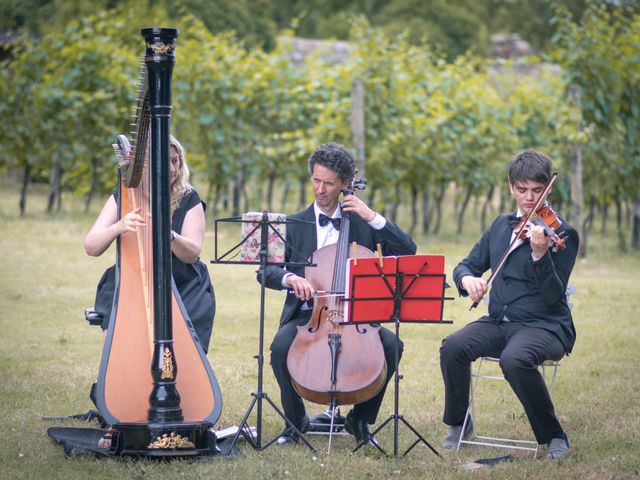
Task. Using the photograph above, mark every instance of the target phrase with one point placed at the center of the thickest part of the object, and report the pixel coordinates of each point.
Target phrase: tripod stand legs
(396, 417)
(258, 397)
(420, 439)
(254, 442)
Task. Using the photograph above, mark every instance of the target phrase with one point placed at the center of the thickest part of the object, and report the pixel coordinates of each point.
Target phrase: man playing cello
(332, 167)
(529, 320)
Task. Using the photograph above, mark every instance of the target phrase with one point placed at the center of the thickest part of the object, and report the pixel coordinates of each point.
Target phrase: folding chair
(549, 372)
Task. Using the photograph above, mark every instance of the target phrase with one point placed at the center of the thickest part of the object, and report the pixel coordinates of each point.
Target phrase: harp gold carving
(162, 48)
(167, 365)
(172, 440)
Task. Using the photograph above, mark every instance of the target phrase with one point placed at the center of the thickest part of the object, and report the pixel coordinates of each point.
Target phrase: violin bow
(506, 253)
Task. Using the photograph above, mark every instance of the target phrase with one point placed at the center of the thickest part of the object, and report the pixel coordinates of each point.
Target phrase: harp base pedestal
(164, 440)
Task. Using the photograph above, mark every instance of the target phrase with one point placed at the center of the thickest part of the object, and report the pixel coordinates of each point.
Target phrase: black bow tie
(324, 220)
(513, 221)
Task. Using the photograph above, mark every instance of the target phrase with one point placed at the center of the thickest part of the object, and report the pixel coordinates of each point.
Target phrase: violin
(546, 218)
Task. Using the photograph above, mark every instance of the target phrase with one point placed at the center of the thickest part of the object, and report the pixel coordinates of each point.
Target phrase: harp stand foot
(164, 440)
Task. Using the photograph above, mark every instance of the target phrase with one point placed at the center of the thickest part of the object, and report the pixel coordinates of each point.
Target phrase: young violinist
(529, 320)
(332, 167)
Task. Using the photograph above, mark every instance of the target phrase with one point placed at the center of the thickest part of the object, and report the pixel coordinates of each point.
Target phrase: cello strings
(340, 265)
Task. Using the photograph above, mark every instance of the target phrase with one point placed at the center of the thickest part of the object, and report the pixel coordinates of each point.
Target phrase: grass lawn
(49, 356)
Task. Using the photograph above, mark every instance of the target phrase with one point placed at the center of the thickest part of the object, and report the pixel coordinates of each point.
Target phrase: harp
(155, 385)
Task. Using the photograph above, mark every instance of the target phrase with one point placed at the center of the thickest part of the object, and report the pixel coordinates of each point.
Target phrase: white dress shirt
(328, 234)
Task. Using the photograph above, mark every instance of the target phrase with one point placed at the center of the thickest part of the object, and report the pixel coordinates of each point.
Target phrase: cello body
(361, 367)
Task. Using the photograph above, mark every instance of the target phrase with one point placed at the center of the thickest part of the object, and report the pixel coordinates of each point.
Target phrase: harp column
(164, 400)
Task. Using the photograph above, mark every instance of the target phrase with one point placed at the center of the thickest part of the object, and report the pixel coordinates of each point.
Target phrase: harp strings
(142, 200)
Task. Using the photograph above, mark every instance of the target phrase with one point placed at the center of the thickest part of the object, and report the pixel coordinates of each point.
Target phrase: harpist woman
(187, 235)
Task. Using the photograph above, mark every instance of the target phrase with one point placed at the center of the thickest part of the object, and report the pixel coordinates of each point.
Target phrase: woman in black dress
(187, 235)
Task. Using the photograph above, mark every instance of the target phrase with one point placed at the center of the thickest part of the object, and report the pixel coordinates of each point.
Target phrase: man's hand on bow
(300, 286)
(476, 287)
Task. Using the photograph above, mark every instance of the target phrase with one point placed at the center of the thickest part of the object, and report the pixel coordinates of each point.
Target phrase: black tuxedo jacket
(524, 290)
(302, 242)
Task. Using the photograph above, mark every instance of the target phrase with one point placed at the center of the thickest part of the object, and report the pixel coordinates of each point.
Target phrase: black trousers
(520, 349)
(292, 404)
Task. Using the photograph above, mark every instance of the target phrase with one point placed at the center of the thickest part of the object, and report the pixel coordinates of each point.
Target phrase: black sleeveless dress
(191, 279)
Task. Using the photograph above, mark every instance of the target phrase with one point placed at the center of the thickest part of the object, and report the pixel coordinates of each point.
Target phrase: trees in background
(62, 97)
(453, 28)
(249, 117)
(600, 60)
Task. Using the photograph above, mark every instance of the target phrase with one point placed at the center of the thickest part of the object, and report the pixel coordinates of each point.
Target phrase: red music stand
(396, 289)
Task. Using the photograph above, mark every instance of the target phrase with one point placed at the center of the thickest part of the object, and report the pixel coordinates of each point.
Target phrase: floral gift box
(251, 231)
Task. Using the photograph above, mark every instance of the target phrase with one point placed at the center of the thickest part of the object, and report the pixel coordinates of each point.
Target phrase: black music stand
(265, 225)
(384, 293)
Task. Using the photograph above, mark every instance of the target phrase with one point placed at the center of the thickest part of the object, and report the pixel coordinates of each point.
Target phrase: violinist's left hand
(539, 242)
(352, 204)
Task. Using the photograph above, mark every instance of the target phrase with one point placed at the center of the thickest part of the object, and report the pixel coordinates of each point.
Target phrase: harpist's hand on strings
(301, 287)
(476, 287)
(132, 221)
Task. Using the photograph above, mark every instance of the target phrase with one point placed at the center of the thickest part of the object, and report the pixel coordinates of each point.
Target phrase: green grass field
(49, 356)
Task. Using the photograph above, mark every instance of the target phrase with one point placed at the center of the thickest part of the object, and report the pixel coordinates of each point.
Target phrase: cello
(331, 363)
(153, 410)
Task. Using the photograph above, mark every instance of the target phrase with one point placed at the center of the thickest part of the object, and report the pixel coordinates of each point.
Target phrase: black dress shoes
(359, 429)
(289, 435)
